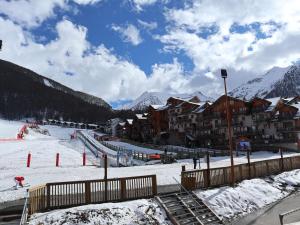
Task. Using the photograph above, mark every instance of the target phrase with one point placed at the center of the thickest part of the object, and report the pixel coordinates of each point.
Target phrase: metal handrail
(24, 216)
(286, 214)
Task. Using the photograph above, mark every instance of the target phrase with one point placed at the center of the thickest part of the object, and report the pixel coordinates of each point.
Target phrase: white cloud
(129, 33)
(31, 13)
(147, 25)
(139, 4)
(86, 2)
(96, 70)
(245, 52)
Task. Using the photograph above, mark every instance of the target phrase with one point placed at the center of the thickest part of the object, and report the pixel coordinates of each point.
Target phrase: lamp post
(228, 114)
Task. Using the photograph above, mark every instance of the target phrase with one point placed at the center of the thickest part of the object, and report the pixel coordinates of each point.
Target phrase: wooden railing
(76, 193)
(215, 177)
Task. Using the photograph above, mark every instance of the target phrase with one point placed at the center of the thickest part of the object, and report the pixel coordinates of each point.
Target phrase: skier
(18, 181)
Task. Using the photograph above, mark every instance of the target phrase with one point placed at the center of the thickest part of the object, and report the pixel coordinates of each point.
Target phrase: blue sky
(118, 49)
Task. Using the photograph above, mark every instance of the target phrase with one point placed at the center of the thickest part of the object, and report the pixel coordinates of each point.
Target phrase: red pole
(57, 159)
(28, 159)
(84, 159)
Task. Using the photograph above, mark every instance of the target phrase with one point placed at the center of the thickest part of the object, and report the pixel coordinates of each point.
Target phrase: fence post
(208, 169)
(48, 196)
(123, 188)
(87, 185)
(281, 159)
(249, 164)
(83, 158)
(154, 185)
(268, 168)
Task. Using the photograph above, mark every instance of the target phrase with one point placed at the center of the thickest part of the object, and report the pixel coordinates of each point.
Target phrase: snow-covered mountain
(277, 82)
(159, 98)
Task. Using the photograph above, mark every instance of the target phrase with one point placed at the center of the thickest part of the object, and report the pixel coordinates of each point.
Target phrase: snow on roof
(122, 124)
(156, 106)
(274, 102)
(201, 107)
(297, 105)
(129, 121)
(140, 116)
(93, 125)
(288, 99)
(163, 107)
(193, 103)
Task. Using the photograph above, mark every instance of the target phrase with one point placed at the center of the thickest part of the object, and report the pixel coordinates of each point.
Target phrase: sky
(118, 49)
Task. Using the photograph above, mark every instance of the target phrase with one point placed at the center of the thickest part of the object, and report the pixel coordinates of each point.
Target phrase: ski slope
(9, 129)
(43, 151)
(134, 148)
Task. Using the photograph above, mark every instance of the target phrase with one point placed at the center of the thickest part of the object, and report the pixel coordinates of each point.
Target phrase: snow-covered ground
(10, 129)
(250, 195)
(134, 148)
(43, 150)
(138, 212)
(59, 132)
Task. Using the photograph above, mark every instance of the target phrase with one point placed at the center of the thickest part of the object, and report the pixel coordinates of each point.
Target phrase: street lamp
(228, 114)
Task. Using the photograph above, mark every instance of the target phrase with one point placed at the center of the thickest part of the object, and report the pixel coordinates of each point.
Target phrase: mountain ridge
(276, 82)
(159, 98)
(26, 94)
(54, 84)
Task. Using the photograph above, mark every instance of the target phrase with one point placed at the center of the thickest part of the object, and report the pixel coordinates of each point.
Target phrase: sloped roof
(163, 107)
(129, 121)
(202, 107)
(274, 102)
(297, 105)
(156, 106)
(140, 116)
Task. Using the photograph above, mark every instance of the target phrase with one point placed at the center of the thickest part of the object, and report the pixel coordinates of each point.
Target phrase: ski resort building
(267, 123)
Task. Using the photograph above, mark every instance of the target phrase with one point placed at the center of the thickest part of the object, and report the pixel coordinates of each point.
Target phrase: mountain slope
(24, 93)
(277, 82)
(159, 98)
(52, 84)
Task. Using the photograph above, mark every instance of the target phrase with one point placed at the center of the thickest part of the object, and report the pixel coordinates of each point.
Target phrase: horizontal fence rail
(76, 193)
(215, 177)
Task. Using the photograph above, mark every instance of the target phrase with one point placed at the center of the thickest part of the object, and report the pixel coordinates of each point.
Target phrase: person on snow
(18, 181)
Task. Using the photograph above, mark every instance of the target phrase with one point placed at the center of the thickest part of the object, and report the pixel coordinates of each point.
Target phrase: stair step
(188, 209)
(7, 218)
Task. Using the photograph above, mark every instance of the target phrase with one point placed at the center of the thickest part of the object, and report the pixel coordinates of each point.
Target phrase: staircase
(185, 208)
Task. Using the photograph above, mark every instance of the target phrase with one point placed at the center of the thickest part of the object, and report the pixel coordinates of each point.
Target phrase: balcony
(222, 124)
(205, 127)
(288, 129)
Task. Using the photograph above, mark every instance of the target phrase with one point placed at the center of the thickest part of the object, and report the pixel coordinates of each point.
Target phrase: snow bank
(291, 178)
(137, 212)
(248, 196)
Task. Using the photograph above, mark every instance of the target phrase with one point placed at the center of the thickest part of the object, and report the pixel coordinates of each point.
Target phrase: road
(270, 215)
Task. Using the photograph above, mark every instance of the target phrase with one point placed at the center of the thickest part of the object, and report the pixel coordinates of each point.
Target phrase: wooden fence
(206, 178)
(76, 193)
